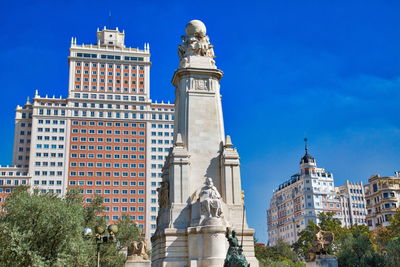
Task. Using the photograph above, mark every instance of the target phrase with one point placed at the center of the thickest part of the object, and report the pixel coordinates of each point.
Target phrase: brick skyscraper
(107, 137)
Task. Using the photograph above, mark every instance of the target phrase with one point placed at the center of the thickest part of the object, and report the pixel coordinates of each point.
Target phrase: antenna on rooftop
(305, 144)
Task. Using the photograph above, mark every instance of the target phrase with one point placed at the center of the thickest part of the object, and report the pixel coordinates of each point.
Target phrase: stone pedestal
(200, 246)
(207, 245)
(135, 261)
(323, 261)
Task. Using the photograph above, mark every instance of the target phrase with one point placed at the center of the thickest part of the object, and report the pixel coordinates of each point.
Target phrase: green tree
(381, 236)
(279, 255)
(303, 244)
(92, 212)
(128, 231)
(284, 250)
(392, 249)
(42, 230)
(394, 226)
(263, 252)
(45, 230)
(357, 250)
(327, 222)
(110, 252)
(388, 240)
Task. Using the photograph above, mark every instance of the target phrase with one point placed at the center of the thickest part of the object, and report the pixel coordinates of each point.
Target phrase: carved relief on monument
(201, 84)
(163, 195)
(197, 84)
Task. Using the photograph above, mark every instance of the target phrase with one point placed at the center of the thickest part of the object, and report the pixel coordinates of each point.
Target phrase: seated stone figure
(210, 200)
(320, 243)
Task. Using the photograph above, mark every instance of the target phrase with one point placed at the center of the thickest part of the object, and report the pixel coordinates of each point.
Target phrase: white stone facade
(49, 145)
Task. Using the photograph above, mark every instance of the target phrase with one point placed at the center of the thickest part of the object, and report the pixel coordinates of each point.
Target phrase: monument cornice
(198, 71)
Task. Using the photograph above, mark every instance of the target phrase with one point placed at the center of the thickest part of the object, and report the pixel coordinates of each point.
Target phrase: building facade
(106, 138)
(10, 177)
(352, 201)
(299, 200)
(382, 196)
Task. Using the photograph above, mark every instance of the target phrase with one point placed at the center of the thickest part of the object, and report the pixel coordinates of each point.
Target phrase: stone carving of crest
(200, 85)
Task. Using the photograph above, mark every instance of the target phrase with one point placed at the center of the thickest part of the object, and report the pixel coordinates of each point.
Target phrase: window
(375, 187)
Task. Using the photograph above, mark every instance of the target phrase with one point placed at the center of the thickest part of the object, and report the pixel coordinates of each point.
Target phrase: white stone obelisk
(200, 195)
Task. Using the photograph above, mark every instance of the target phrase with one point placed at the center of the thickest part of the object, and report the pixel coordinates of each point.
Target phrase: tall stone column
(201, 191)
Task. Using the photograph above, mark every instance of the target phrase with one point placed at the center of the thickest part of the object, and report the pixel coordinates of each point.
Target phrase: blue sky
(328, 70)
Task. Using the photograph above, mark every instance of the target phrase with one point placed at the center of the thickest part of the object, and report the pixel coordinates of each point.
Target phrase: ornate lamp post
(102, 236)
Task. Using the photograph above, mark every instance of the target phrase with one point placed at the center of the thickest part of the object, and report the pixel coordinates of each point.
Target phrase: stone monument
(234, 256)
(200, 195)
(138, 253)
(318, 255)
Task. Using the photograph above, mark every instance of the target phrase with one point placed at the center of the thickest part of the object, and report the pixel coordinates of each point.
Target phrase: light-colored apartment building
(352, 201)
(299, 200)
(106, 138)
(382, 196)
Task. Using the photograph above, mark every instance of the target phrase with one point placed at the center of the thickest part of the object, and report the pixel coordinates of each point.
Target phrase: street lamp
(102, 236)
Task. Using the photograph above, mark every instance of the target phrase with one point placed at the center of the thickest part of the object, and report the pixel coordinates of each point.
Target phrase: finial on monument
(196, 27)
(179, 141)
(228, 142)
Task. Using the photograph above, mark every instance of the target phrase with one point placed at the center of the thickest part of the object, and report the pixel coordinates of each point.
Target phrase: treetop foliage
(45, 230)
